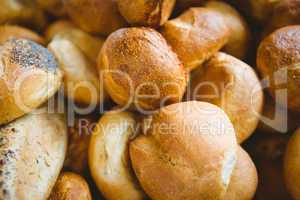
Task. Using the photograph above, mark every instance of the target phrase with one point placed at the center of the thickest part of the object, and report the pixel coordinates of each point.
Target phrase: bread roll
(278, 60)
(88, 44)
(243, 182)
(240, 36)
(29, 77)
(140, 70)
(188, 152)
(196, 35)
(286, 13)
(70, 186)
(291, 165)
(22, 12)
(108, 157)
(13, 31)
(232, 85)
(146, 13)
(81, 80)
(56, 27)
(95, 16)
(32, 154)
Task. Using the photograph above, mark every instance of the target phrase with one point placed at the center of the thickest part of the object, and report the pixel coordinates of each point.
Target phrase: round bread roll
(196, 35)
(108, 157)
(232, 85)
(95, 16)
(56, 27)
(140, 70)
(292, 166)
(54, 7)
(32, 153)
(243, 182)
(12, 31)
(188, 152)
(78, 144)
(146, 13)
(70, 186)
(29, 76)
(81, 80)
(240, 35)
(278, 60)
(286, 13)
(22, 12)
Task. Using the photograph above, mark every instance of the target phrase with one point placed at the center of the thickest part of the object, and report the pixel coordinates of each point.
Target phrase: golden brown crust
(279, 55)
(243, 182)
(76, 49)
(108, 157)
(185, 154)
(234, 86)
(138, 62)
(81, 80)
(18, 32)
(240, 36)
(22, 12)
(196, 35)
(95, 16)
(70, 186)
(146, 13)
(89, 45)
(30, 76)
(291, 165)
(56, 27)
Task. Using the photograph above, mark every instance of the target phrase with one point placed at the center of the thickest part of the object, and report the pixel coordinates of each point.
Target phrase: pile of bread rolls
(150, 99)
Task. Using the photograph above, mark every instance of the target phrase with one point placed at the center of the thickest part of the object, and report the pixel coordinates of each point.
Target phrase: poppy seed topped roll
(29, 76)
